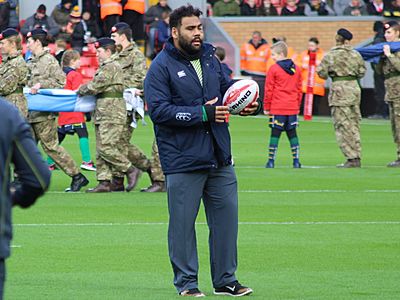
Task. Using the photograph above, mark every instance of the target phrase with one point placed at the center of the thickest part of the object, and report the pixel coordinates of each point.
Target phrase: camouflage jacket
(343, 61)
(389, 66)
(133, 64)
(108, 79)
(13, 77)
(44, 69)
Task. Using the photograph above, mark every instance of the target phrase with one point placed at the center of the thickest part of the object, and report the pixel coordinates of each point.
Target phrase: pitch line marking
(319, 191)
(277, 191)
(203, 223)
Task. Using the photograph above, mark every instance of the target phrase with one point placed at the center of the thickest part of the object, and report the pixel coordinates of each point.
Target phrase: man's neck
(125, 44)
(37, 52)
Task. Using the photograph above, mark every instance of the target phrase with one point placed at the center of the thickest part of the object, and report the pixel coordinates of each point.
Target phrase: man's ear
(174, 32)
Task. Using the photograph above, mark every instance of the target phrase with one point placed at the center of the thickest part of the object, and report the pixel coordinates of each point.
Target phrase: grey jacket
(47, 23)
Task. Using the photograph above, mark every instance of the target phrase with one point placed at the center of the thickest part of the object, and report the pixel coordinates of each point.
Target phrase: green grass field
(313, 233)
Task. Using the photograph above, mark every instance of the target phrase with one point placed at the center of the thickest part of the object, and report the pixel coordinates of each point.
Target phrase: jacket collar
(127, 50)
(206, 50)
(12, 56)
(343, 47)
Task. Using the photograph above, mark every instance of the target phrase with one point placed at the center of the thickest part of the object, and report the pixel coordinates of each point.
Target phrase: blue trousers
(218, 189)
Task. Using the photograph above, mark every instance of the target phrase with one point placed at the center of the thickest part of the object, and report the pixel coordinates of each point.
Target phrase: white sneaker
(89, 166)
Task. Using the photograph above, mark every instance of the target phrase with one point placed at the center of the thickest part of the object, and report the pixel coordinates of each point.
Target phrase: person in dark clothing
(376, 7)
(220, 54)
(151, 18)
(4, 14)
(42, 21)
(184, 88)
(92, 25)
(248, 8)
(163, 32)
(292, 9)
(17, 148)
(381, 108)
(267, 9)
(392, 10)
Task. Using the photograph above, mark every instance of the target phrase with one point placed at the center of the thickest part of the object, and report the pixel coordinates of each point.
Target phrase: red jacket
(283, 92)
(74, 81)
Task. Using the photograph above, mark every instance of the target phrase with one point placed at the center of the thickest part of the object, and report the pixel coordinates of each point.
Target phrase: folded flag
(135, 104)
(59, 100)
(374, 53)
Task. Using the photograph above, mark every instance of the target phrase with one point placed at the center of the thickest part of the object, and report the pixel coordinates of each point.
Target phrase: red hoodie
(283, 89)
(74, 81)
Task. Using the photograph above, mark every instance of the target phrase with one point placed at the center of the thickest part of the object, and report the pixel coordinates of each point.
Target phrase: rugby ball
(240, 95)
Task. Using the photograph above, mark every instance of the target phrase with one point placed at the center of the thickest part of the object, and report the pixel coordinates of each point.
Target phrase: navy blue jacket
(175, 98)
(17, 147)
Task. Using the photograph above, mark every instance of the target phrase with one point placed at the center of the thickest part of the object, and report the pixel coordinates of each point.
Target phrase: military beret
(119, 26)
(102, 42)
(36, 32)
(7, 33)
(390, 24)
(345, 34)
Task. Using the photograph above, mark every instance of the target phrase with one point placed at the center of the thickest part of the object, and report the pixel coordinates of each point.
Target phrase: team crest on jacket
(181, 74)
(181, 116)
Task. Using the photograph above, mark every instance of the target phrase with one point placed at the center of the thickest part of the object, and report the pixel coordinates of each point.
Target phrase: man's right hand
(216, 113)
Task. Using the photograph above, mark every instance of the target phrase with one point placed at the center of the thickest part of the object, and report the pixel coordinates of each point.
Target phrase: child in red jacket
(73, 122)
(282, 102)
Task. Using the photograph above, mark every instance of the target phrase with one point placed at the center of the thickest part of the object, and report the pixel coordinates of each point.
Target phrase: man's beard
(188, 47)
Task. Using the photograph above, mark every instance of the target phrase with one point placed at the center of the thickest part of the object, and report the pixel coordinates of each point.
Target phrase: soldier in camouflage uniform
(109, 119)
(13, 70)
(45, 72)
(133, 63)
(345, 66)
(389, 66)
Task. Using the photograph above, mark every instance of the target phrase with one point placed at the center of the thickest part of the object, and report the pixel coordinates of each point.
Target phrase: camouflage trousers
(346, 121)
(394, 112)
(111, 154)
(138, 158)
(20, 102)
(45, 132)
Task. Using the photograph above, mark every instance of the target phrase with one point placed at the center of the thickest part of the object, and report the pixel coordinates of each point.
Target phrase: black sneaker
(234, 289)
(192, 293)
(78, 181)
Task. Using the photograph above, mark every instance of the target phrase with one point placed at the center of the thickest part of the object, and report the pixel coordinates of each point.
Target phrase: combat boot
(351, 163)
(133, 175)
(117, 184)
(104, 186)
(157, 186)
(394, 164)
(78, 181)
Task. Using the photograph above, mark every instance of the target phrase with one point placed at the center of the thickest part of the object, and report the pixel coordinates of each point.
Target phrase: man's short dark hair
(175, 18)
(127, 32)
(44, 40)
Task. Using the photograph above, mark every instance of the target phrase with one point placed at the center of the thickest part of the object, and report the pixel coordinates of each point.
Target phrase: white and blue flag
(59, 100)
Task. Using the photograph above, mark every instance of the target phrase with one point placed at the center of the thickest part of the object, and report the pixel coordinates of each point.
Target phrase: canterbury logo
(183, 116)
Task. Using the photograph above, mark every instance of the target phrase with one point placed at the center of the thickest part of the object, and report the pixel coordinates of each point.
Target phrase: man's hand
(35, 88)
(216, 113)
(266, 112)
(249, 110)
